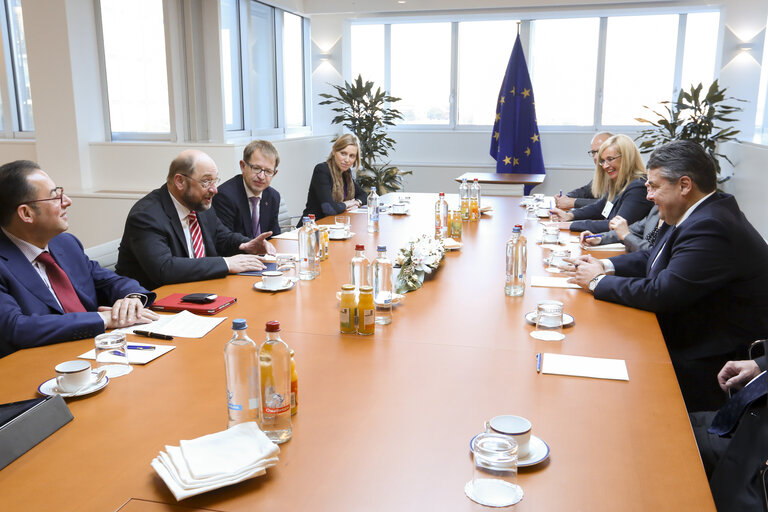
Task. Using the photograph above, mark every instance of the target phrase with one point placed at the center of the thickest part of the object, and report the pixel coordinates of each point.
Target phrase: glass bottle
(319, 256)
(382, 286)
(241, 369)
(294, 385)
(474, 201)
(307, 251)
(441, 217)
(347, 309)
(464, 199)
(359, 269)
(514, 284)
(366, 311)
(275, 386)
(456, 225)
(373, 211)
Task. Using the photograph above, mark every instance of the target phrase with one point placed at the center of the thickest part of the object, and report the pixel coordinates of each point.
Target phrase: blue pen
(592, 236)
(140, 347)
(538, 362)
(561, 193)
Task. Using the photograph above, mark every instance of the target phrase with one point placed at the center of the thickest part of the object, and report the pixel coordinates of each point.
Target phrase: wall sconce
(735, 46)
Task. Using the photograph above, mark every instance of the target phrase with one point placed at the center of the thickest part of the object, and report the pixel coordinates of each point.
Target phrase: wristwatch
(593, 282)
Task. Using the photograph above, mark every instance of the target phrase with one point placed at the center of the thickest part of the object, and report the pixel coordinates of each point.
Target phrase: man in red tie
(49, 290)
(173, 236)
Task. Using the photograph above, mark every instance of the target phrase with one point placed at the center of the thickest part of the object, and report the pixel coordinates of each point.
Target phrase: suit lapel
(661, 242)
(173, 217)
(25, 273)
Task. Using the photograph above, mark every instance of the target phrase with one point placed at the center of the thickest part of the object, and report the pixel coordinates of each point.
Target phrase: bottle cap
(347, 287)
(273, 326)
(305, 219)
(382, 248)
(519, 226)
(359, 247)
(442, 194)
(238, 324)
(516, 229)
(311, 216)
(366, 289)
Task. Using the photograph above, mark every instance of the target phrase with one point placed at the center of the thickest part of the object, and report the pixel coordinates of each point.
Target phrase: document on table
(607, 247)
(579, 366)
(137, 356)
(287, 235)
(552, 282)
(183, 325)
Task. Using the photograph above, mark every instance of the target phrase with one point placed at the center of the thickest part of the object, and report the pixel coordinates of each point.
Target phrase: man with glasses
(583, 196)
(246, 203)
(706, 277)
(172, 236)
(50, 291)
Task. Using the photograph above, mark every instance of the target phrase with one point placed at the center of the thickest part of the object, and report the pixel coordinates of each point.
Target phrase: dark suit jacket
(29, 313)
(234, 210)
(154, 251)
(319, 199)
(630, 204)
(583, 195)
(708, 288)
(638, 231)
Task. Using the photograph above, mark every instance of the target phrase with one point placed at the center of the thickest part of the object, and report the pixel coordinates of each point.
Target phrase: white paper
(579, 366)
(287, 235)
(137, 356)
(607, 247)
(183, 324)
(552, 282)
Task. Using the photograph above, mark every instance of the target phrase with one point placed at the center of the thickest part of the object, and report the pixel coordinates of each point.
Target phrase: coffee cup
(514, 426)
(337, 231)
(399, 208)
(272, 280)
(72, 375)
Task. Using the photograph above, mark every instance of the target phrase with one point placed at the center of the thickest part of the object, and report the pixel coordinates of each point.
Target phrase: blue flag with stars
(515, 144)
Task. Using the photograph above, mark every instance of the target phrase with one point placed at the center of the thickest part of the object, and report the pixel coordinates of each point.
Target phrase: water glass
(494, 471)
(111, 354)
(286, 263)
(344, 220)
(549, 321)
(551, 234)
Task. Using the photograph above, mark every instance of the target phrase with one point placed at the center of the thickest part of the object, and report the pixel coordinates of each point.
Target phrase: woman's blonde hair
(631, 168)
(338, 177)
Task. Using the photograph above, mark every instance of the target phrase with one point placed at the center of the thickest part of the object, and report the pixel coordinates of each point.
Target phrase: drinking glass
(286, 263)
(111, 354)
(551, 234)
(345, 221)
(494, 471)
(549, 321)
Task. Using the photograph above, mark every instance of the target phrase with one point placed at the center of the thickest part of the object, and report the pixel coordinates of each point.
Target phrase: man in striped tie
(50, 291)
(172, 235)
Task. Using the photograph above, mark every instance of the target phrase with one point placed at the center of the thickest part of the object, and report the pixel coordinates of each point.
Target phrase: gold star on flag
(507, 160)
(501, 100)
(526, 93)
(498, 116)
(527, 151)
(535, 137)
(496, 135)
(513, 91)
(515, 162)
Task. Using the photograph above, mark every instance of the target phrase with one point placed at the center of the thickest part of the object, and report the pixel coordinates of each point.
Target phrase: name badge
(607, 210)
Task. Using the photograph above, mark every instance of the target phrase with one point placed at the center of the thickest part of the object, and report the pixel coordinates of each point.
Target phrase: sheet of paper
(552, 282)
(137, 356)
(287, 235)
(183, 325)
(579, 366)
(607, 247)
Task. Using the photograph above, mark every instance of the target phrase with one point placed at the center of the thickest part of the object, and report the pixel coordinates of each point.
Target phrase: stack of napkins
(216, 460)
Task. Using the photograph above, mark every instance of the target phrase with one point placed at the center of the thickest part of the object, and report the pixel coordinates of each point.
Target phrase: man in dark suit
(705, 278)
(246, 203)
(583, 196)
(49, 290)
(172, 236)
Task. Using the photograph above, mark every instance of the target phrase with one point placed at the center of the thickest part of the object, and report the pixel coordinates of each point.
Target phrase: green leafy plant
(695, 118)
(367, 114)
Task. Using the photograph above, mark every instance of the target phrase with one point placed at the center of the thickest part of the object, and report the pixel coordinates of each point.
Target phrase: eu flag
(515, 144)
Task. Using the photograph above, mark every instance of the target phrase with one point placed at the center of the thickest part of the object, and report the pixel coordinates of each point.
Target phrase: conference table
(384, 422)
(503, 178)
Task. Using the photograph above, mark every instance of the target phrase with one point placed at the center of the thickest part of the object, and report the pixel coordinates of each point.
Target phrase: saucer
(568, 320)
(406, 212)
(538, 451)
(259, 285)
(342, 237)
(48, 388)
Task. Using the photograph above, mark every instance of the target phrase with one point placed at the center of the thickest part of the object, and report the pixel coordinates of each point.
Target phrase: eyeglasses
(607, 160)
(258, 170)
(593, 152)
(204, 183)
(59, 196)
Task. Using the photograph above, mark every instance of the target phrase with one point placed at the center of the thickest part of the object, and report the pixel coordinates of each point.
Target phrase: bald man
(172, 236)
(583, 196)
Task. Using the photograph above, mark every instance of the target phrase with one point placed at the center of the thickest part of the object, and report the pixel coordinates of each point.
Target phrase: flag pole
(518, 27)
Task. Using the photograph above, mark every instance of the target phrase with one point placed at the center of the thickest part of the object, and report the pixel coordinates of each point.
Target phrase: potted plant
(693, 117)
(367, 114)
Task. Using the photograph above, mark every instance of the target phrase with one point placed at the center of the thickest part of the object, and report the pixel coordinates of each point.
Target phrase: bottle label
(346, 319)
(368, 317)
(234, 407)
(277, 410)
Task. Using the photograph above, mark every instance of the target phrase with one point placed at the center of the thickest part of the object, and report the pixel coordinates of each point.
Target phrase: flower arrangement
(417, 259)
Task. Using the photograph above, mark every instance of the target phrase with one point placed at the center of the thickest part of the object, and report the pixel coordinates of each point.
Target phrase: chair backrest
(105, 254)
(283, 217)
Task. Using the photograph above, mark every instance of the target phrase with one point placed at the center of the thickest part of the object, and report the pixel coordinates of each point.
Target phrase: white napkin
(216, 460)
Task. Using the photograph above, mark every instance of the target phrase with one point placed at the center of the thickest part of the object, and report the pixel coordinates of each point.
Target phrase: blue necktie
(728, 416)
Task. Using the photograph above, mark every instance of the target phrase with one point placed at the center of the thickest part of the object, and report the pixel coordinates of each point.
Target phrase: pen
(538, 362)
(155, 335)
(561, 193)
(593, 236)
(140, 347)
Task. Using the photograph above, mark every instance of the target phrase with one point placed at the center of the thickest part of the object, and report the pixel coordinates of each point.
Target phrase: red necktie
(255, 216)
(61, 285)
(197, 235)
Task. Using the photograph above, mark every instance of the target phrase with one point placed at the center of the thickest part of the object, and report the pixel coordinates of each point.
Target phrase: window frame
(10, 111)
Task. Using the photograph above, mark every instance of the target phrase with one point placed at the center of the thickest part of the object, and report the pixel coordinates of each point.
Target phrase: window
(232, 65)
(761, 120)
(293, 69)
(261, 72)
(133, 38)
(18, 111)
(368, 53)
(700, 49)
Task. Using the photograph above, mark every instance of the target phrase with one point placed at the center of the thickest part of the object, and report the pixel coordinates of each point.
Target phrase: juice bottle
(366, 311)
(347, 309)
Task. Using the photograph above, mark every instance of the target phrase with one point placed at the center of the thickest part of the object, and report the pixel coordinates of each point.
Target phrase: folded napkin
(216, 460)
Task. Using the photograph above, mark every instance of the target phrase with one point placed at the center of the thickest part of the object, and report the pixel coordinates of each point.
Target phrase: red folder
(173, 303)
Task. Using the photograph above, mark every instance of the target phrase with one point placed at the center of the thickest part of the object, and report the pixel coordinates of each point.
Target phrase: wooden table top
(503, 178)
(384, 421)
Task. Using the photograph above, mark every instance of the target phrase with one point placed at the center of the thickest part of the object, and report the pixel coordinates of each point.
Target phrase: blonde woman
(333, 190)
(620, 184)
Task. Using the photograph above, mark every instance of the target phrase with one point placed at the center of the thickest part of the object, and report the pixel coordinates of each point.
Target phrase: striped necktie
(255, 216)
(61, 285)
(197, 235)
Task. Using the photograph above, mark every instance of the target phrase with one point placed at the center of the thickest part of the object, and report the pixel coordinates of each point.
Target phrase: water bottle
(514, 284)
(382, 286)
(441, 217)
(275, 386)
(474, 201)
(373, 211)
(307, 251)
(359, 269)
(464, 198)
(318, 244)
(241, 369)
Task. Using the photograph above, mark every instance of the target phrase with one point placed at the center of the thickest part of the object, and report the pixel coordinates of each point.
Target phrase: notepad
(137, 356)
(287, 235)
(552, 282)
(580, 366)
(183, 325)
(607, 247)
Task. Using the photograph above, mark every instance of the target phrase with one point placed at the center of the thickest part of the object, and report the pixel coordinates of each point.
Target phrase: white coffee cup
(337, 231)
(72, 375)
(516, 427)
(273, 280)
(398, 208)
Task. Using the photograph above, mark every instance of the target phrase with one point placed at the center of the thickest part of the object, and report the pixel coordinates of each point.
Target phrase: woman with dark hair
(333, 190)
